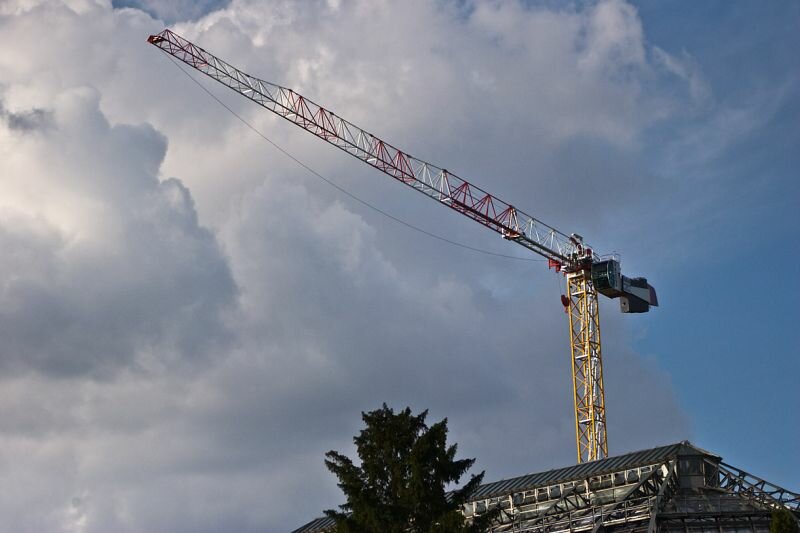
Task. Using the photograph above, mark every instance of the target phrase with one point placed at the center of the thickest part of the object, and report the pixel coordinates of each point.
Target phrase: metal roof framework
(679, 487)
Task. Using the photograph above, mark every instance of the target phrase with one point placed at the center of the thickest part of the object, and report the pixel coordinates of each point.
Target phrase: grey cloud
(171, 11)
(496, 367)
(233, 360)
(30, 120)
(139, 275)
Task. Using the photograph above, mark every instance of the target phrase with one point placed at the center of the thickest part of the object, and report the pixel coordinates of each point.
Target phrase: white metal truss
(646, 499)
(672, 489)
(431, 180)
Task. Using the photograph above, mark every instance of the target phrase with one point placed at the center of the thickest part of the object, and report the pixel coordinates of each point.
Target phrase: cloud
(28, 120)
(171, 11)
(103, 261)
(613, 37)
(189, 322)
(687, 69)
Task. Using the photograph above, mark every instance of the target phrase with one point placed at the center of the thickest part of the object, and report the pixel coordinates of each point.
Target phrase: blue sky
(190, 320)
(726, 330)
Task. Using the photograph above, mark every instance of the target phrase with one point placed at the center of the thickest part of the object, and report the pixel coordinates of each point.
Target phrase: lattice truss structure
(433, 181)
(587, 367)
(675, 488)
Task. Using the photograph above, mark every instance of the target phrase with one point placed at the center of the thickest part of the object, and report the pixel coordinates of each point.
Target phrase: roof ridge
(586, 470)
(675, 444)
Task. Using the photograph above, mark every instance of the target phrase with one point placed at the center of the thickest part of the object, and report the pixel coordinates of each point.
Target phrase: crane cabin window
(606, 278)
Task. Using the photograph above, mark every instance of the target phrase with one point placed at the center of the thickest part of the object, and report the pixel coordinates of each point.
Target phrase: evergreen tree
(783, 521)
(399, 486)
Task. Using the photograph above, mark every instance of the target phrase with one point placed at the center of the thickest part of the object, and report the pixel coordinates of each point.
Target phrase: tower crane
(587, 273)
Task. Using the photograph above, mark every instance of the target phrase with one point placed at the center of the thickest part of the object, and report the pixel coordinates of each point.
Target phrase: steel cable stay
(343, 190)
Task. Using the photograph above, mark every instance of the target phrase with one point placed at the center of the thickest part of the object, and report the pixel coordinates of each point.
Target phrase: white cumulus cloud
(189, 320)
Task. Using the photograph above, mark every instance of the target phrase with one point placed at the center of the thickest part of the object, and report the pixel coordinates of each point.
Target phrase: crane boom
(434, 182)
(586, 272)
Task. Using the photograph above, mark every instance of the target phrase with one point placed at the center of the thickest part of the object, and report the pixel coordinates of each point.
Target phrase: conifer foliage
(400, 485)
(783, 521)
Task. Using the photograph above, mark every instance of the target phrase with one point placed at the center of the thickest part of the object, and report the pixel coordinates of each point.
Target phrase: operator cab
(635, 294)
(607, 278)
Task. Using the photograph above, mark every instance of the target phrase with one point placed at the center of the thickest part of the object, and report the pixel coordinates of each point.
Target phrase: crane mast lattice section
(587, 367)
